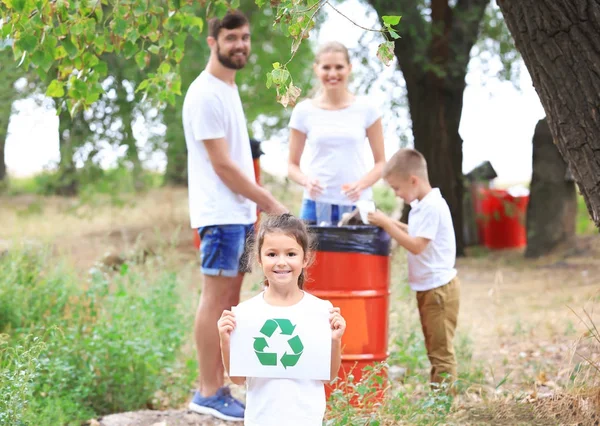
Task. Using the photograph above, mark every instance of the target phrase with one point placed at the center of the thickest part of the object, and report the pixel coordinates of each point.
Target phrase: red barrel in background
(351, 269)
(503, 219)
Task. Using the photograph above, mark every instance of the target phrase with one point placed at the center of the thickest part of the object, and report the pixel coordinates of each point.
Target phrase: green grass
(584, 225)
(77, 348)
(92, 181)
(408, 399)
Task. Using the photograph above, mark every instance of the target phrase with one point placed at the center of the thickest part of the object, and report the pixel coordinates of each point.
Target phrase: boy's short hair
(232, 20)
(406, 162)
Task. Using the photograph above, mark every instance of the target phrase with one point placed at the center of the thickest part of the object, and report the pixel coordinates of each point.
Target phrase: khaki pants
(438, 309)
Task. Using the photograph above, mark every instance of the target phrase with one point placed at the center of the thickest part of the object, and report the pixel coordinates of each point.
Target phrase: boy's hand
(226, 325)
(378, 218)
(338, 324)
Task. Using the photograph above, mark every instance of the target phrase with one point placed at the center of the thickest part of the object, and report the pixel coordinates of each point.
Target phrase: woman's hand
(314, 188)
(226, 325)
(352, 191)
(338, 324)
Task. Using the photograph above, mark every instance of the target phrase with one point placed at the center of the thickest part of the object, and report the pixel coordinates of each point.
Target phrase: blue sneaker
(221, 405)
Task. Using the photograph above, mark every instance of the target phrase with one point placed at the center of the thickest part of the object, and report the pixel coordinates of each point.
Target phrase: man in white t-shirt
(223, 196)
(430, 241)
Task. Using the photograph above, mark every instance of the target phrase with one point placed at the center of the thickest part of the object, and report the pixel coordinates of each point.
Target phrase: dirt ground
(524, 317)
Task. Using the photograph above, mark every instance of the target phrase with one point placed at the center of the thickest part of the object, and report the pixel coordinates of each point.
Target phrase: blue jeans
(224, 249)
(308, 211)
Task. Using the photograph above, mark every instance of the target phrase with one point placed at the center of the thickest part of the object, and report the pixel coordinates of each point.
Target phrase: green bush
(107, 345)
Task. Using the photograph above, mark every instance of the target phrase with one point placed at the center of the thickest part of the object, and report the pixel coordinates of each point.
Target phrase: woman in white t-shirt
(333, 126)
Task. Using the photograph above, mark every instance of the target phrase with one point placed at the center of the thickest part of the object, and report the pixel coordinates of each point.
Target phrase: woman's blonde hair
(332, 47)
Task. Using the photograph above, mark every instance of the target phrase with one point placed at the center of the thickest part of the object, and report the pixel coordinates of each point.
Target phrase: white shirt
(212, 109)
(285, 402)
(434, 267)
(335, 145)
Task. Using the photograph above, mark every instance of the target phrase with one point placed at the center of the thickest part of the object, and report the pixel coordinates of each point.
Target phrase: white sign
(281, 346)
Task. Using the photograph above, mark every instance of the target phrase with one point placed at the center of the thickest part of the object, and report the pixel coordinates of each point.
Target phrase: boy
(429, 240)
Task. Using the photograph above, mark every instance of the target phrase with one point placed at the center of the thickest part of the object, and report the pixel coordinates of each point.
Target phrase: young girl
(283, 250)
(333, 125)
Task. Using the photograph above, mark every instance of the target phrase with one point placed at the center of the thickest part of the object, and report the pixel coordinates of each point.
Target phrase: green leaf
(176, 85)
(129, 49)
(120, 27)
(101, 68)
(133, 35)
(269, 80)
(42, 59)
(80, 87)
(72, 50)
(260, 3)
(385, 52)
(154, 49)
(164, 68)
(99, 44)
(394, 34)
(27, 43)
(60, 53)
(295, 30)
(280, 76)
(18, 5)
(276, 65)
(99, 13)
(180, 40)
(90, 60)
(140, 59)
(235, 4)
(391, 20)
(56, 89)
(143, 85)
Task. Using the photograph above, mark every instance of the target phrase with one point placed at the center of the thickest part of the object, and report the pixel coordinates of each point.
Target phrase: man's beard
(228, 62)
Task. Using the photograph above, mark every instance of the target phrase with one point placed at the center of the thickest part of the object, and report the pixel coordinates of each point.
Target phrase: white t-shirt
(336, 145)
(212, 109)
(289, 402)
(430, 218)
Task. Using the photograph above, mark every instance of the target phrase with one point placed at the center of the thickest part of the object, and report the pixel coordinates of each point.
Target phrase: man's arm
(236, 181)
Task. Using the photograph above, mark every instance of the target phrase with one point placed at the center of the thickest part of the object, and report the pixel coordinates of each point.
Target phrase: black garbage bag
(365, 239)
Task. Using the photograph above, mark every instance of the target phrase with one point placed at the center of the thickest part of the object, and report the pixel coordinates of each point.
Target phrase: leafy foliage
(72, 39)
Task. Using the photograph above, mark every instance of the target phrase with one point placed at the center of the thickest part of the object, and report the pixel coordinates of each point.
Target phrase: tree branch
(411, 48)
(466, 22)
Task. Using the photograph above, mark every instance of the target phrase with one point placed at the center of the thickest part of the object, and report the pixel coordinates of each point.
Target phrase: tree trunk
(559, 42)
(176, 172)
(435, 112)
(67, 179)
(552, 209)
(433, 56)
(126, 113)
(3, 134)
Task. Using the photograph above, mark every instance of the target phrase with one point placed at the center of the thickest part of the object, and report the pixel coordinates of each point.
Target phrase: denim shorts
(224, 249)
(308, 211)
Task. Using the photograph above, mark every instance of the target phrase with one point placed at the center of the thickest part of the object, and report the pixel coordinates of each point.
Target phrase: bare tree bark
(560, 44)
(552, 209)
(433, 57)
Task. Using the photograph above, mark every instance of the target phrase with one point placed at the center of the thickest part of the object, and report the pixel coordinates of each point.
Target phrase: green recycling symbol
(270, 358)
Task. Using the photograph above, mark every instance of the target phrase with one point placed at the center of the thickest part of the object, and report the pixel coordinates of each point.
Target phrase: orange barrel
(256, 153)
(351, 269)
